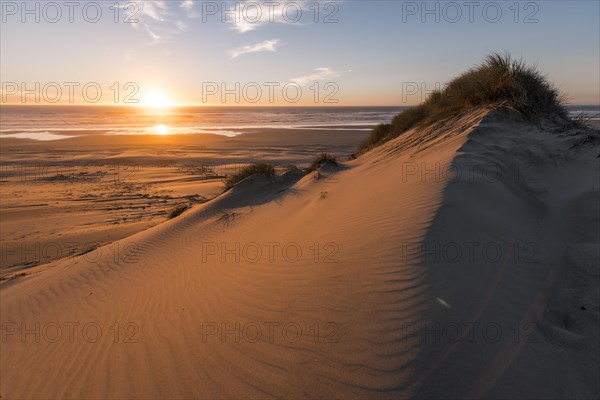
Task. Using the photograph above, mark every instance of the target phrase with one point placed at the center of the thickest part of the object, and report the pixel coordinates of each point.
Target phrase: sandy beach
(66, 197)
(383, 276)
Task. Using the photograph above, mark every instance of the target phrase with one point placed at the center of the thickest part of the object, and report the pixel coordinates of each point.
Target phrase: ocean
(60, 122)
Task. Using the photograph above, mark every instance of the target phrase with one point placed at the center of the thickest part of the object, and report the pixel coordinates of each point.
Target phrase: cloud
(243, 26)
(155, 9)
(156, 19)
(267, 45)
(188, 6)
(181, 25)
(155, 37)
(319, 74)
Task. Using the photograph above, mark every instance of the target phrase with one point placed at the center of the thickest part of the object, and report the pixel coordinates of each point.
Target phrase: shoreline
(91, 191)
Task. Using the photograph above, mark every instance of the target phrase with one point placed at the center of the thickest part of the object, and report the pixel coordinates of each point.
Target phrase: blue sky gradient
(373, 53)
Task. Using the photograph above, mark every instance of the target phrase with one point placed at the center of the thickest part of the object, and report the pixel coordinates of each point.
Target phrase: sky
(283, 53)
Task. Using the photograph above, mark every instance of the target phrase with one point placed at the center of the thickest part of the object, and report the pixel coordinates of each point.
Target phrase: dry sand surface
(69, 197)
(456, 262)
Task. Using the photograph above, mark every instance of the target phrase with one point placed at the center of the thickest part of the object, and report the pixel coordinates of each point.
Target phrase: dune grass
(498, 81)
(177, 211)
(260, 169)
(323, 158)
(268, 170)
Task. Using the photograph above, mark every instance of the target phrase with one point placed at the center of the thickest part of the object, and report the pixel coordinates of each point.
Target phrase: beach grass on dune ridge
(323, 158)
(268, 170)
(260, 169)
(177, 211)
(499, 81)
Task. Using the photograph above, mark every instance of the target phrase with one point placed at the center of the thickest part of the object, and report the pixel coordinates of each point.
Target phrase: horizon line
(233, 106)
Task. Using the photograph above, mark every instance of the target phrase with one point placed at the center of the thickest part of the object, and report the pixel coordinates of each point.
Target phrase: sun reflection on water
(161, 129)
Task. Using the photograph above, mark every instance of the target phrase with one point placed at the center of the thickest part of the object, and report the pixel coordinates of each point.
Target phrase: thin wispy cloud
(181, 25)
(319, 74)
(155, 9)
(250, 18)
(156, 38)
(188, 6)
(161, 20)
(156, 19)
(267, 45)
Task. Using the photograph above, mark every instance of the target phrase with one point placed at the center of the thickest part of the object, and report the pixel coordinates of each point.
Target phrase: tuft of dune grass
(260, 169)
(499, 81)
(177, 210)
(323, 158)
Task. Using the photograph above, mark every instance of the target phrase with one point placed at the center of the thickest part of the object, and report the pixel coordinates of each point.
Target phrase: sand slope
(70, 196)
(211, 304)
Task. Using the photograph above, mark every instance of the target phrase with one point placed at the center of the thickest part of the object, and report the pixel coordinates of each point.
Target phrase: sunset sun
(155, 99)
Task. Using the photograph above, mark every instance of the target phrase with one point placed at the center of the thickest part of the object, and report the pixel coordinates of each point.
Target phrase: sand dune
(457, 261)
(93, 190)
